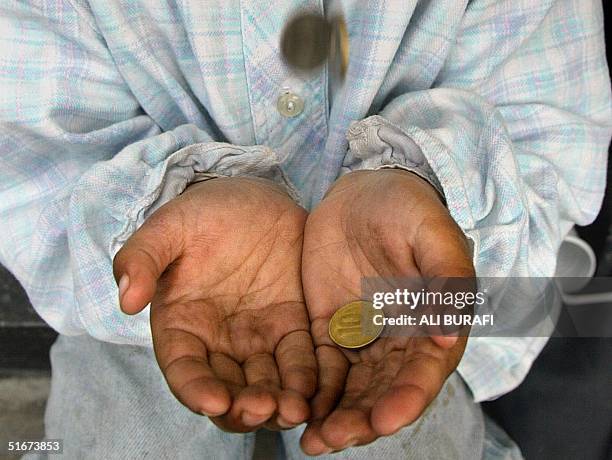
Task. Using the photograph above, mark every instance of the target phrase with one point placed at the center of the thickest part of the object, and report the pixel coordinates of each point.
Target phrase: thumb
(142, 260)
(442, 253)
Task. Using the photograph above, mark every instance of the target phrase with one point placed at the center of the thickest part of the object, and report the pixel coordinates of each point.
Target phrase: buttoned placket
(289, 108)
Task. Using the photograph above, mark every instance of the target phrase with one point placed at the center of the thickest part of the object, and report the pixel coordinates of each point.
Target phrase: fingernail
(253, 419)
(283, 423)
(352, 443)
(124, 283)
(446, 341)
(212, 414)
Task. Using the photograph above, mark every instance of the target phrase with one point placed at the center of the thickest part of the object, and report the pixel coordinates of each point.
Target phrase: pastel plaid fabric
(108, 108)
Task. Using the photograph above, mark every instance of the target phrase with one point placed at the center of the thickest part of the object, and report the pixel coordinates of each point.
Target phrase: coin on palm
(354, 325)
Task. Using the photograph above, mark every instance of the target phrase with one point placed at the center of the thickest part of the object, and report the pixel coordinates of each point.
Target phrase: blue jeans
(111, 401)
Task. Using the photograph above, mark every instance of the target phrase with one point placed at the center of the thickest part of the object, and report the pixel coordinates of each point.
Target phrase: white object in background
(576, 264)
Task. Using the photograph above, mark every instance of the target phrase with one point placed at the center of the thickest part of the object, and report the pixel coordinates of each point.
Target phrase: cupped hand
(386, 223)
(220, 266)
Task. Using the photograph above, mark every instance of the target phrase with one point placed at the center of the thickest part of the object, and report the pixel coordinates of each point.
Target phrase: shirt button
(290, 105)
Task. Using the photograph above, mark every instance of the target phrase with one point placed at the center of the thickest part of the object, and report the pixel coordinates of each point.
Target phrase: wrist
(201, 179)
(417, 178)
(362, 180)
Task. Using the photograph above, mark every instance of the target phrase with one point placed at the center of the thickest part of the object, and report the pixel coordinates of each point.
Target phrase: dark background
(563, 410)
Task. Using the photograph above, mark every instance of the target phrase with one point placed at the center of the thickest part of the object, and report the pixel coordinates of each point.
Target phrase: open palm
(386, 223)
(221, 267)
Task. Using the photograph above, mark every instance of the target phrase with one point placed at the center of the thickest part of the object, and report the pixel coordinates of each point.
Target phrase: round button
(290, 105)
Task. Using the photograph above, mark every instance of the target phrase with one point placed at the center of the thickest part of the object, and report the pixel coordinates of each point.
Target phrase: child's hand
(220, 265)
(387, 223)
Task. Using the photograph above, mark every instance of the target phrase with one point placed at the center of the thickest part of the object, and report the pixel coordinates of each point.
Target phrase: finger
(260, 370)
(227, 370)
(293, 409)
(238, 421)
(349, 423)
(257, 402)
(333, 369)
(347, 427)
(144, 257)
(445, 341)
(253, 407)
(408, 403)
(182, 358)
(230, 372)
(416, 385)
(312, 442)
(296, 363)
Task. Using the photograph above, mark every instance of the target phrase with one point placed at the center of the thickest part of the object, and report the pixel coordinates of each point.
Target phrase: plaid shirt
(109, 108)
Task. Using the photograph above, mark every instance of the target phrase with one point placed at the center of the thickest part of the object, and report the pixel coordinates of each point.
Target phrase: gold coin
(309, 39)
(340, 44)
(352, 326)
(305, 41)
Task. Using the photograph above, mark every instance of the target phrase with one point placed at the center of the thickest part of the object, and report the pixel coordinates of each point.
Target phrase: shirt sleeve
(515, 131)
(81, 167)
